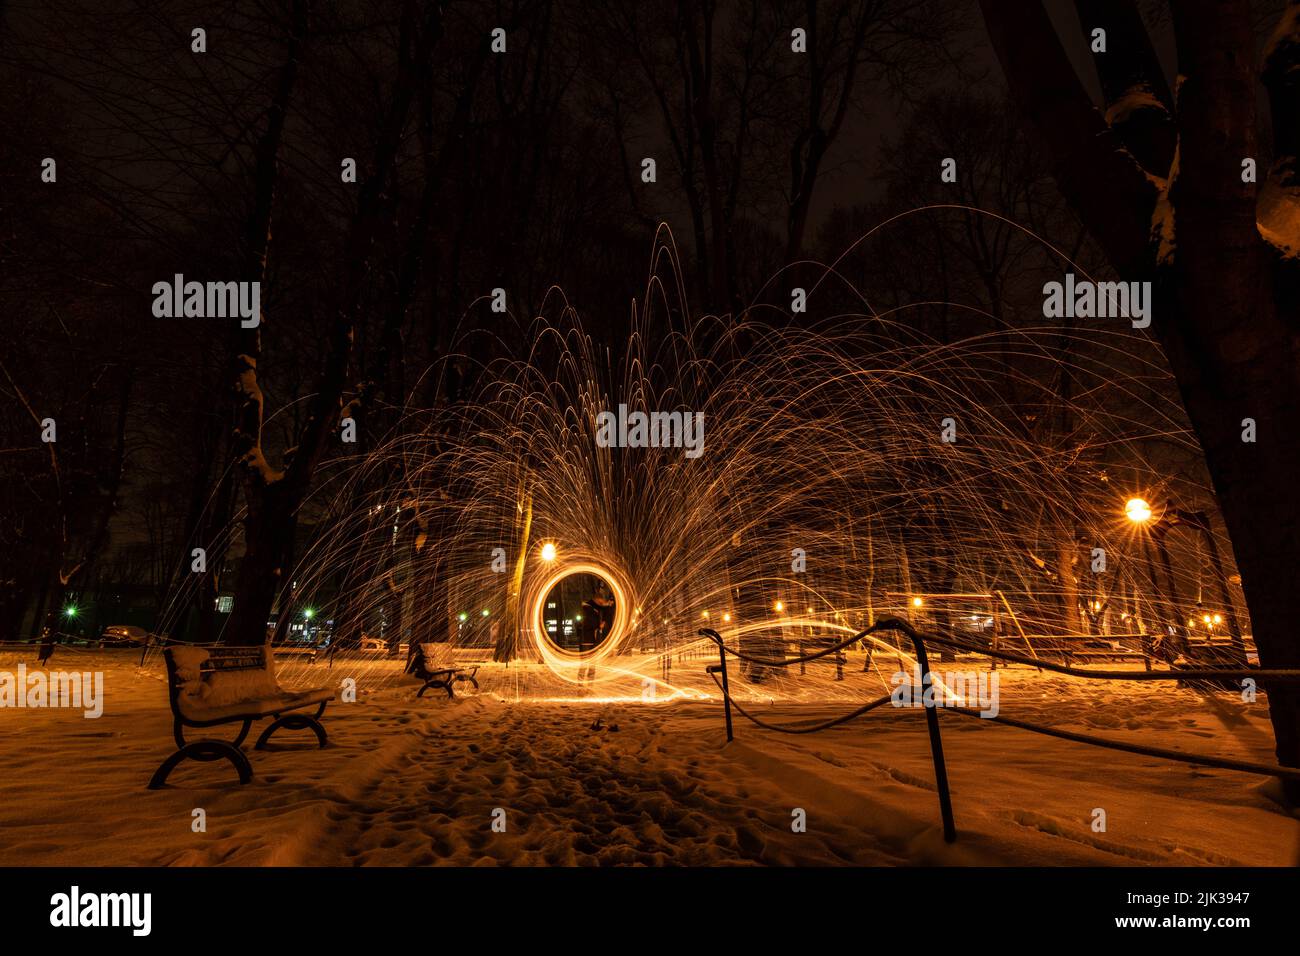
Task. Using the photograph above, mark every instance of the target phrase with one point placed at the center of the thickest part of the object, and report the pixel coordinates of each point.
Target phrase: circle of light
(558, 658)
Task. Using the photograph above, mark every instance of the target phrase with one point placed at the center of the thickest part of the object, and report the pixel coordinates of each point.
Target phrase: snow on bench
(209, 686)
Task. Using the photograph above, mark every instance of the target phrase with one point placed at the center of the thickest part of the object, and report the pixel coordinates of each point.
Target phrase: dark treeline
(474, 170)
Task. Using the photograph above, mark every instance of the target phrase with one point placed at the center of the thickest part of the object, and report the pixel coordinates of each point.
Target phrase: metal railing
(719, 670)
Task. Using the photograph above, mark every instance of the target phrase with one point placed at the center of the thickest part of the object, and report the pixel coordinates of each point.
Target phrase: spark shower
(848, 462)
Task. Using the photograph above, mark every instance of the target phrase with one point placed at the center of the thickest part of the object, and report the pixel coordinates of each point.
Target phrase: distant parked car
(126, 635)
(369, 643)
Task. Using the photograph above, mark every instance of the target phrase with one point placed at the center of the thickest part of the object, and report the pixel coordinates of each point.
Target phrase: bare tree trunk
(1226, 293)
(512, 621)
(264, 492)
(272, 498)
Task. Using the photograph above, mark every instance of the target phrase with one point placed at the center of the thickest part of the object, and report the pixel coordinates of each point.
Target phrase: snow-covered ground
(416, 781)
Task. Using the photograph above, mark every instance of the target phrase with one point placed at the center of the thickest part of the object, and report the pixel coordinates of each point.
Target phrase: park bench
(1091, 648)
(811, 645)
(1106, 650)
(430, 665)
(309, 652)
(210, 686)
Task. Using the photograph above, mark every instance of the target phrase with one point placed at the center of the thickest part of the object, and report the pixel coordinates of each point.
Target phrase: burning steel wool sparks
(855, 467)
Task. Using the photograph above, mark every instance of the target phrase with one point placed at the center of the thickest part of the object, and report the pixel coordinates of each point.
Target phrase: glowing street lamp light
(548, 551)
(462, 617)
(1138, 511)
(70, 611)
(727, 616)
(309, 614)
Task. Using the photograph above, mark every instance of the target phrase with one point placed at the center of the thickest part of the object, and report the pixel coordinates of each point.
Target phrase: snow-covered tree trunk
(1222, 251)
(266, 495)
(272, 497)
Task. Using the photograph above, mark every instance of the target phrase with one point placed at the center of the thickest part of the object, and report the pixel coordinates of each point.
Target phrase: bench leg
(203, 751)
(178, 731)
(292, 722)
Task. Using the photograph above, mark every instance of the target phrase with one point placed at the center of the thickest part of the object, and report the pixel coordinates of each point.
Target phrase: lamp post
(1140, 513)
(1174, 517)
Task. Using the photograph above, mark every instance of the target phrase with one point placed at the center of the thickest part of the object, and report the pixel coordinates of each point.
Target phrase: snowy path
(409, 781)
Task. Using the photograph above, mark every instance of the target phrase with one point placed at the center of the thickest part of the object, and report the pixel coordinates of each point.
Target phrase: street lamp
(1138, 511)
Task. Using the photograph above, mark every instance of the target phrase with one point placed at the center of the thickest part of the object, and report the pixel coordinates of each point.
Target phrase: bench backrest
(436, 655)
(206, 677)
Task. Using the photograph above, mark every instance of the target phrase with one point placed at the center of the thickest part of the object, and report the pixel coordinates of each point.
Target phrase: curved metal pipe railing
(931, 710)
(931, 714)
